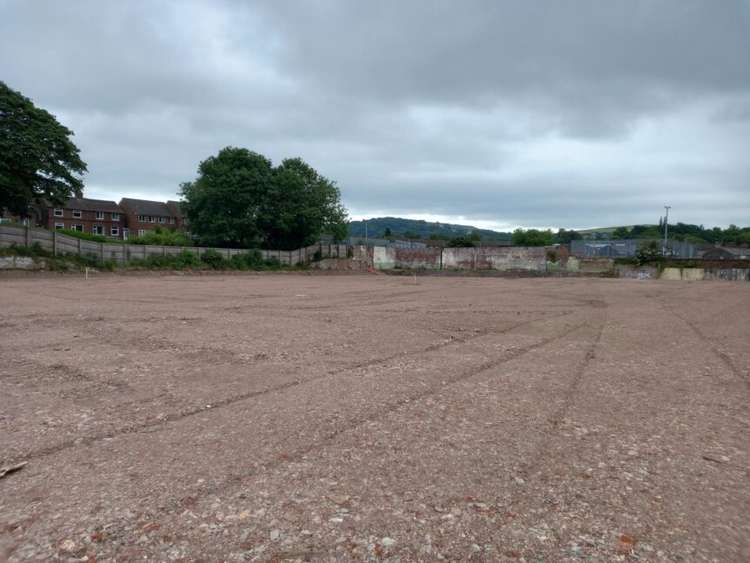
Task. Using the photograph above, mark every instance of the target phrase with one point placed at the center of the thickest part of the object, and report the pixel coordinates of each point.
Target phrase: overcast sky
(499, 114)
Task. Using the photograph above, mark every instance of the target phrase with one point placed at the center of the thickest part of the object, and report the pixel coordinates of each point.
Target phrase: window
(125, 233)
(141, 232)
(114, 231)
(76, 214)
(162, 220)
(115, 216)
(58, 213)
(59, 225)
(100, 215)
(171, 220)
(97, 230)
(151, 219)
(141, 218)
(78, 228)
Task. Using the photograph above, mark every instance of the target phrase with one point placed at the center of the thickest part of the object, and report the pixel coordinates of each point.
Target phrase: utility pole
(366, 241)
(666, 229)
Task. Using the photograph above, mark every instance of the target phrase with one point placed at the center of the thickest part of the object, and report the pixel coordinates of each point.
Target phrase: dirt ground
(297, 417)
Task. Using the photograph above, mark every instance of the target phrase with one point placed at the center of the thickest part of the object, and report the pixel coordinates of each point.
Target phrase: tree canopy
(532, 237)
(38, 161)
(240, 199)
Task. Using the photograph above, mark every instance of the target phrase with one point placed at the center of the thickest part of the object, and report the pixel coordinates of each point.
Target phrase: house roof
(146, 207)
(727, 252)
(86, 204)
(175, 207)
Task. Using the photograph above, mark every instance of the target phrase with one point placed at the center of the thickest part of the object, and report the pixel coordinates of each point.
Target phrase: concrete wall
(698, 274)
(60, 244)
(637, 272)
(428, 258)
(20, 263)
(502, 258)
(384, 257)
(729, 274)
(480, 258)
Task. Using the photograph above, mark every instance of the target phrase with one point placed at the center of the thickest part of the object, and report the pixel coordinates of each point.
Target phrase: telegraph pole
(666, 229)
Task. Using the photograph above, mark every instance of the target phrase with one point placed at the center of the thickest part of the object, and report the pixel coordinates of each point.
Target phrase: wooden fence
(61, 244)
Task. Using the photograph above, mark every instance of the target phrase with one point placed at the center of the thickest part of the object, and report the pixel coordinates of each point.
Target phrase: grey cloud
(533, 113)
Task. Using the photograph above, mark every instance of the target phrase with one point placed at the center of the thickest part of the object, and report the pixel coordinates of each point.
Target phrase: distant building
(144, 215)
(94, 216)
(181, 220)
(726, 253)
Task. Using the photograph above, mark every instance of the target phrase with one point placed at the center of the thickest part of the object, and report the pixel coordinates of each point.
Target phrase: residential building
(142, 215)
(181, 219)
(93, 216)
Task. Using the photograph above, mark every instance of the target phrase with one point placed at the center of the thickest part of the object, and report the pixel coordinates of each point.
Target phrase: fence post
(54, 243)
(28, 236)
(79, 247)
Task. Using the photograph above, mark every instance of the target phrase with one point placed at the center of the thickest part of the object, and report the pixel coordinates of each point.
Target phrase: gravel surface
(338, 418)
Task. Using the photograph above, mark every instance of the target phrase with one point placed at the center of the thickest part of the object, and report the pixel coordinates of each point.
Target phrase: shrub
(187, 259)
(213, 259)
(251, 260)
(648, 252)
(86, 236)
(162, 237)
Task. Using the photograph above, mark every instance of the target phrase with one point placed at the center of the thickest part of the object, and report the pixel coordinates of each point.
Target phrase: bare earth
(283, 417)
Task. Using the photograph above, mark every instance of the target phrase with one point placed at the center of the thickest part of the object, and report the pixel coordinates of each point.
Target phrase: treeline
(416, 229)
(698, 234)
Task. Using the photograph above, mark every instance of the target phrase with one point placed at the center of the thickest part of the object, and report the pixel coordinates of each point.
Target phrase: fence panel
(59, 243)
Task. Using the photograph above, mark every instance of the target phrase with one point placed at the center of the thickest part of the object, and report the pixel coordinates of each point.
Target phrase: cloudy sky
(556, 113)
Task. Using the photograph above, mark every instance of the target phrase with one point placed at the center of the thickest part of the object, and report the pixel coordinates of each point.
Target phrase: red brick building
(143, 215)
(94, 216)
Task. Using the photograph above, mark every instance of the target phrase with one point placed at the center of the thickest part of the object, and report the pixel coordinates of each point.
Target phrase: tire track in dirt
(378, 414)
(709, 342)
(569, 398)
(223, 403)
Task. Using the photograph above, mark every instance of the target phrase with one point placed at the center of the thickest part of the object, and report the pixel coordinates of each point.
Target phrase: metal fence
(362, 241)
(627, 248)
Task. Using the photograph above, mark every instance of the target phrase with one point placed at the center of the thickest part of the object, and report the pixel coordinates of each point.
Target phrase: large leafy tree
(532, 237)
(300, 206)
(223, 204)
(38, 161)
(240, 199)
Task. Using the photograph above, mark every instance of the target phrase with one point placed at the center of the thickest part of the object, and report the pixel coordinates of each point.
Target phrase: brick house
(94, 216)
(142, 215)
(181, 219)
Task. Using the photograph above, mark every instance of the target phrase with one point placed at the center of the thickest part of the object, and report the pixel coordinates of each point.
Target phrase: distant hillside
(412, 228)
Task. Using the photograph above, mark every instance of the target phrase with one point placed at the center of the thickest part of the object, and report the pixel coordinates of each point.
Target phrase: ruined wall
(637, 272)
(495, 258)
(429, 258)
(698, 274)
(383, 257)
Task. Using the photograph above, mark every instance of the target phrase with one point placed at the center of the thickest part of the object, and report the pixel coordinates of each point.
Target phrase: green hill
(417, 229)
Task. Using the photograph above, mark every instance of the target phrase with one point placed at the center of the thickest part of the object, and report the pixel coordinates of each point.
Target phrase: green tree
(240, 199)
(38, 161)
(300, 206)
(621, 233)
(387, 233)
(224, 203)
(462, 241)
(564, 237)
(532, 237)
